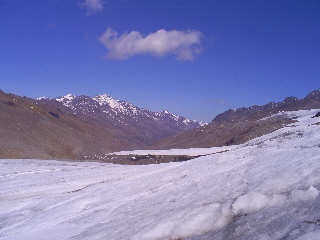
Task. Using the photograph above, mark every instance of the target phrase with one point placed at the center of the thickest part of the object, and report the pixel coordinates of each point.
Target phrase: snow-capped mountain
(143, 125)
(110, 106)
(45, 129)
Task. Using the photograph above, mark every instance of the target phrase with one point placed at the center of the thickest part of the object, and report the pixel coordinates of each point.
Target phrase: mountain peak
(290, 99)
(313, 95)
(67, 97)
(141, 124)
(102, 98)
(43, 98)
(105, 99)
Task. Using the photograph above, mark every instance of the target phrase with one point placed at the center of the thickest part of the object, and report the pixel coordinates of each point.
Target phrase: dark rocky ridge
(312, 100)
(239, 125)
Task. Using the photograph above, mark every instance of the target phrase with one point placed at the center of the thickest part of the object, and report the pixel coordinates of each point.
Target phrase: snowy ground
(189, 151)
(267, 188)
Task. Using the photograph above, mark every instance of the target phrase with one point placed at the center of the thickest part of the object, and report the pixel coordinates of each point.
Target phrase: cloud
(184, 44)
(93, 6)
(214, 101)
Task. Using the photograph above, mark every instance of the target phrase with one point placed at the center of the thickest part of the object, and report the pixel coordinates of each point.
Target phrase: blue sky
(192, 58)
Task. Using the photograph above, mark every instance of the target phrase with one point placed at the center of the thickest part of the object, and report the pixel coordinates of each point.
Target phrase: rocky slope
(239, 125)
(72, 127)
(312, 100)
(76, 127)
(140, 124)
(34, 129)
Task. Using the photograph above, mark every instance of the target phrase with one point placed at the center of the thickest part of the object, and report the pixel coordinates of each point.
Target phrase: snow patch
(67, 97)
(254, 201)
(43, 98)
(304, 195)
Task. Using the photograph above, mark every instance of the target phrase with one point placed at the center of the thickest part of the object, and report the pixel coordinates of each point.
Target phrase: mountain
(140, 124)
(34, 129)
(236, 126)
(312, 100)
(81, 127)
(72, 127)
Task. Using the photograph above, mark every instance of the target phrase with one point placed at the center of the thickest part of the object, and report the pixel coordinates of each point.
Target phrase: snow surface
(187, 151)
(68, 97)
(108, 103)
(120, 106)
(43, 98)
(267, 188)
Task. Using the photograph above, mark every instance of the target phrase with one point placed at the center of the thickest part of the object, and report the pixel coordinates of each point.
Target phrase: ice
(267, 188)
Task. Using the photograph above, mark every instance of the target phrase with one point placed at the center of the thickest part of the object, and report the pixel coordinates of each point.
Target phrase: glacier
(267, 188)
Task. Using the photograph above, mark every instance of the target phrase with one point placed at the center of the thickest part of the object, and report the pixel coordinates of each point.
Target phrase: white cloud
(93, 6)
(184, 44)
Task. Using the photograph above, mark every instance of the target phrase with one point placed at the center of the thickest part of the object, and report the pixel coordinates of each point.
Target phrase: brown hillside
(32, 129)
(237, 126)
(222, 133)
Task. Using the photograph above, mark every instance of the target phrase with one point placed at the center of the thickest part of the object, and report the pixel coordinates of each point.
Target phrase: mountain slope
(237, 126)
(142, 125)
(311, 101)
(34, 129)
(77, 127)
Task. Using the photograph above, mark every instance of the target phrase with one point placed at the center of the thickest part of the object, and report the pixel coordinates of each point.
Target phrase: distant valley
(79, 127)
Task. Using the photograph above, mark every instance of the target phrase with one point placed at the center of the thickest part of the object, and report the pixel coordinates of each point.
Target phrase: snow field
(188, 151)
(267, 188)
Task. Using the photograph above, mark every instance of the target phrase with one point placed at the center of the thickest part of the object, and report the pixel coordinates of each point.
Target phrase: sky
(194, 58)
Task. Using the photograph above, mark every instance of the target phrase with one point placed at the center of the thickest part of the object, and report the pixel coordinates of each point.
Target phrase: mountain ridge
(48, 129)
(120, 106)
(141, 124)
(33, 129)
(288, 104)
(74, 127)
(236, 126)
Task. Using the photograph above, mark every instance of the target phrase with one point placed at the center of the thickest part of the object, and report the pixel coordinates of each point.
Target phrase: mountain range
(75, 127)
(256, 112)
(34, 129)
(236, 126)
(141, 125)
(72, 127)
